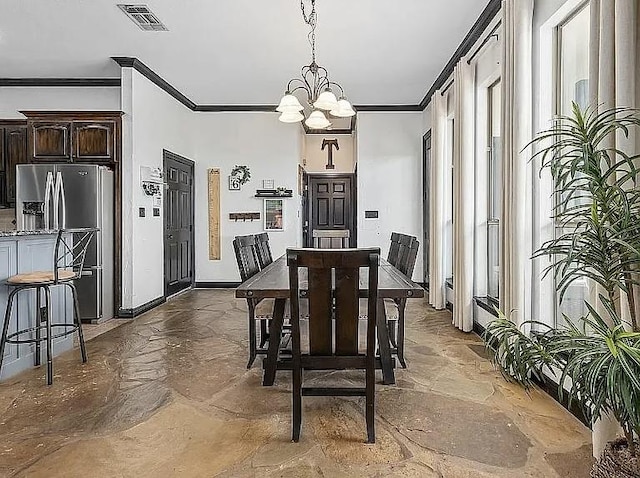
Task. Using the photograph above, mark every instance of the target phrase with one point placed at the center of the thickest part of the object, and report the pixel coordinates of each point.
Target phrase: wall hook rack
(244, 216)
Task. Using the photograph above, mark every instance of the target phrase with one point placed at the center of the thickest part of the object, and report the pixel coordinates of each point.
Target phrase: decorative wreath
(242, 173)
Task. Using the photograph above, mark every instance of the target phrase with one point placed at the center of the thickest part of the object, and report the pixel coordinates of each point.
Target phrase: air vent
(143, 17)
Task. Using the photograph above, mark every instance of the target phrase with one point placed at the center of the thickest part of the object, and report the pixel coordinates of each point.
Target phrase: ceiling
(235, 52)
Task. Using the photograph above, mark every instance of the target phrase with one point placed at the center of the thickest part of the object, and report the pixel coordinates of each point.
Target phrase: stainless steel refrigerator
(54, 196)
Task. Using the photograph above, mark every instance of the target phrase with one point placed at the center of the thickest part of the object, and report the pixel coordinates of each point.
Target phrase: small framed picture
(268, 184)
(273, 215)
(234, 183)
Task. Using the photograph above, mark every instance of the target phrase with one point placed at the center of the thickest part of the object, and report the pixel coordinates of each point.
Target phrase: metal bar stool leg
(5, 329)
(49, 337)
(77, 321)
(39, 320)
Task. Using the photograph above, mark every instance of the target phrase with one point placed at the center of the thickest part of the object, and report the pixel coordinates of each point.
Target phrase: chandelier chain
(311, 20)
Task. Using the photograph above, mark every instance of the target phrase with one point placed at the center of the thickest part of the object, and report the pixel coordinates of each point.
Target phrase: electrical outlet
(142, 212)
(156, 212)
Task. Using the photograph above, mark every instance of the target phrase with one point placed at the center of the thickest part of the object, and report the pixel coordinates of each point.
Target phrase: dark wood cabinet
(50, 141)
(13, 151)
(94, 141)
(74, 136)
(15, 142)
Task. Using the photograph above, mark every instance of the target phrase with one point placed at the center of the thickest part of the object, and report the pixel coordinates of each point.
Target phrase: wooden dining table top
(273, 282)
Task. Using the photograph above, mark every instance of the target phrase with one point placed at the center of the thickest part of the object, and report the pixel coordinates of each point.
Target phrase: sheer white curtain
(437, 204)
(614, 81)
(517, 100)
(464, 195)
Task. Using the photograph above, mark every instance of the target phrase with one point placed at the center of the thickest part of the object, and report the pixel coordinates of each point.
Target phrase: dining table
(272, 282)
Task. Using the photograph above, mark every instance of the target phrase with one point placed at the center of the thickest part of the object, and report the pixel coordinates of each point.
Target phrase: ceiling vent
(143, 17)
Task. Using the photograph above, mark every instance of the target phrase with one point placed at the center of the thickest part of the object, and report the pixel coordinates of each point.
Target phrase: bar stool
(68, 260)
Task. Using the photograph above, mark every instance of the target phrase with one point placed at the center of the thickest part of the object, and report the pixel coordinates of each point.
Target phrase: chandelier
(314, 82)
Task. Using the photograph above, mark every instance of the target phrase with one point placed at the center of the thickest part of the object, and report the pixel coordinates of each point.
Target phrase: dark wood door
(94, 142)
(426, 197)
(15, 148)
(331, 203)
(50, 141)
(179, 272)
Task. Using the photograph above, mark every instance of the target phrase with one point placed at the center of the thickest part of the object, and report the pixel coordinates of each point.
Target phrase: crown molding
(60, 82)
(481, 24)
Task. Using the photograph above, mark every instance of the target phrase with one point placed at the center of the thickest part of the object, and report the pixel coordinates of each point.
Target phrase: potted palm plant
(594, 358)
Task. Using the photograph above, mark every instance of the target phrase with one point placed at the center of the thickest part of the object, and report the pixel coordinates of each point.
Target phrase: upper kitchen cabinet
(13, 151)
(50, 141)
(74, 136)
(94, 141)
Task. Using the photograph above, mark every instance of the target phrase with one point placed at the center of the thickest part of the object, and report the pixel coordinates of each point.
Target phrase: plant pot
(617, 462)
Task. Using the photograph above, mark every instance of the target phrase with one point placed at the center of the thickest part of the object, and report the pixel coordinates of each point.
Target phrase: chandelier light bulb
(289, 103)
(317, 120)
(291, 117)
(344, 109)
(326, 101)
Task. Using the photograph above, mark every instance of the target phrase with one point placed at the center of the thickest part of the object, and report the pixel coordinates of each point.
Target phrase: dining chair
(332, 342)
(395, 308)
(260, 310)
(331, 238)
(263, 250)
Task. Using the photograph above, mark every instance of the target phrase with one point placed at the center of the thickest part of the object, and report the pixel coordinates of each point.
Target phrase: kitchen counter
(14, 233)
(27, 251)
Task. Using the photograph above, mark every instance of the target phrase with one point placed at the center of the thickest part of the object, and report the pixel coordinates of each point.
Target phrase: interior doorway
(179, 253)
(329, 203)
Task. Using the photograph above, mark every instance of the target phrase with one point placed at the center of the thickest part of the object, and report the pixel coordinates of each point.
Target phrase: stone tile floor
(168, 395)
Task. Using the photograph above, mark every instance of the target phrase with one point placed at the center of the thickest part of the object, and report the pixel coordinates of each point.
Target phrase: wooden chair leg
(370, 404)
(252, 335)
(264, 333)
(297, 404)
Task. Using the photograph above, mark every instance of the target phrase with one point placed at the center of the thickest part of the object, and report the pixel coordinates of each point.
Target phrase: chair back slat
(331, 238)
(263, 250)
(333, 288)
(394, 249)
(347, 310)
(244, 247)
(320, 313)
(407, 266)
(405, 243)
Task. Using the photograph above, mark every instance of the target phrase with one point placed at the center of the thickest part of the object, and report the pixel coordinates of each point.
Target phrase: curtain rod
(484, 42)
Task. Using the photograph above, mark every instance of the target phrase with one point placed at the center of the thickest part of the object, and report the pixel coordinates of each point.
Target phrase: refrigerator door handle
(56, 202)
(63, 202)
(48, 188)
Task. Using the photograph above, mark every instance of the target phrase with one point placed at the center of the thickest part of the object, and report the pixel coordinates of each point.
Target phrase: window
(572, 79)
(494, 182)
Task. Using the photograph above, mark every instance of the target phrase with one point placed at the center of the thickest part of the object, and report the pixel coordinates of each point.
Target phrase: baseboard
(217, 285)
(141, 309)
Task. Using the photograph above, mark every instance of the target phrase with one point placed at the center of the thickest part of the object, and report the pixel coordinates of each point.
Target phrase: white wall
(390, 177)
(271, 149)
(153, 121)
(14, 99)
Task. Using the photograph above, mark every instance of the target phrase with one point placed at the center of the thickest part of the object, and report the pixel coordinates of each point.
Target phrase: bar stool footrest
(71, 328)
